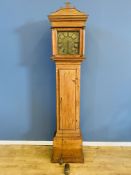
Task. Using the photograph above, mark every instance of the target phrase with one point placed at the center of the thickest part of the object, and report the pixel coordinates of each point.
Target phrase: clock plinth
(67, 149)
(68, 40)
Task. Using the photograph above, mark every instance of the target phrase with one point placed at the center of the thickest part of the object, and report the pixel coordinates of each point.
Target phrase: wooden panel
(67, 83)
(68, 24)
(54, 38)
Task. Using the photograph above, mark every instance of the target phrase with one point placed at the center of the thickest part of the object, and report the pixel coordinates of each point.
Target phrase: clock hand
(67, 46)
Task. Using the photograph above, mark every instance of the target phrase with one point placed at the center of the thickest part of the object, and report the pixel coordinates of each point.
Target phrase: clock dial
(68, 42)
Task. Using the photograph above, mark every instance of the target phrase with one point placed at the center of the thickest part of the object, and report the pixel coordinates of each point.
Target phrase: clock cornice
(67, 13)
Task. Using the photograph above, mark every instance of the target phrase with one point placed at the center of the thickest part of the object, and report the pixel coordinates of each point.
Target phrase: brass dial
(68, 42)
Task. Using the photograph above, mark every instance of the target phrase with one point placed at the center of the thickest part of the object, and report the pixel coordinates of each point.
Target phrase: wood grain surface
(35, 160)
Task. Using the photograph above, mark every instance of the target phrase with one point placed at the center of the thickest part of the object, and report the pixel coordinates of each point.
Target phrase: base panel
(67, 156)
(67, 150)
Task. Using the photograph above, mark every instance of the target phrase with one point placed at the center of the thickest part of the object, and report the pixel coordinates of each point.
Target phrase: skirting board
(47, 143)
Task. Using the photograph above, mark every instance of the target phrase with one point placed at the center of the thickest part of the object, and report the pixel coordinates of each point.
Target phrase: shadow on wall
(35, 44)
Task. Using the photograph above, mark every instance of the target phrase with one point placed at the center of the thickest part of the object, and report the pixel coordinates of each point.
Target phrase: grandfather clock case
(68, 46)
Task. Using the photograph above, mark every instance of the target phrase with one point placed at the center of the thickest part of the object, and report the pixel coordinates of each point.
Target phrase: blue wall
(27, 75)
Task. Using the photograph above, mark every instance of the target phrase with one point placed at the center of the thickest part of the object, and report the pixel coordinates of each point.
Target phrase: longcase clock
(68, 44)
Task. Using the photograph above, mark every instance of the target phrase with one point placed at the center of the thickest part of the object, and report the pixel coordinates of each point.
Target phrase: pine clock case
(67, 142)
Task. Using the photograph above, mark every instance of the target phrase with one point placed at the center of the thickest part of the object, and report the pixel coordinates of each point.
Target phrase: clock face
(68, 42)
